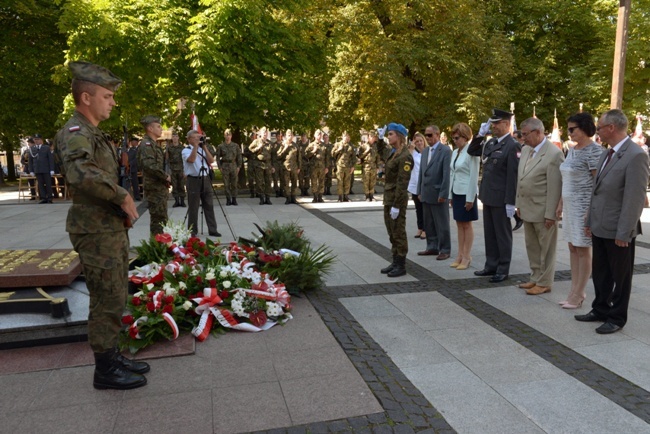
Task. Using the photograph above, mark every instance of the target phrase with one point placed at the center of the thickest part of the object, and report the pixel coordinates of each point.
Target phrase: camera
(202, 141)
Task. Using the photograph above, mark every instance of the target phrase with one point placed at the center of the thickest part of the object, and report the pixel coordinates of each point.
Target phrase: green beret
(149, 119)
(95, 74)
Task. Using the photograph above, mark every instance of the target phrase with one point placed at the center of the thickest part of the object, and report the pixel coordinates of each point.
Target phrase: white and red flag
(195, 123)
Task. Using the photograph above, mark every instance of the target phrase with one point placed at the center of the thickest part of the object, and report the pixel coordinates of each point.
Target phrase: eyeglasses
(572, 129)
(429, 134)
(456, 137)
(602, 126)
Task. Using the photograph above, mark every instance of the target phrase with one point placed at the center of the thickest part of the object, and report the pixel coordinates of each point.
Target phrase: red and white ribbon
(172, 324)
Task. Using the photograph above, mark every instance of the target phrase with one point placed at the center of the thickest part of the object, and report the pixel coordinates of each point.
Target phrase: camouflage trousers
(318, 180)
(277, 176)
(157, 203)
(305, 175)
(178, 184)
(399, 245)
(369, 180)
(263, 180)
(290, 182)
(343, 178)
(105, 262)
(250, 174)
(328, 178)
(229, 173)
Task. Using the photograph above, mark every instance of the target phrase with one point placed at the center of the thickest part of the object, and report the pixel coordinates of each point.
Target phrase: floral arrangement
(185, 284)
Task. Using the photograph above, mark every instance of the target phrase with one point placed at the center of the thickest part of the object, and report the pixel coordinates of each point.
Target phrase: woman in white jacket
(417, 145)
(463, 191)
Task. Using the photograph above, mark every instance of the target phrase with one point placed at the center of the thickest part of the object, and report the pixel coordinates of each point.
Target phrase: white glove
(32, 174)
(51, 172)
(394, 212)
(485, 128)
(510, 211)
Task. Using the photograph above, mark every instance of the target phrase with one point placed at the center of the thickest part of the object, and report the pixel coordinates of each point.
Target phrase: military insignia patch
(75, 128)
(407, 167)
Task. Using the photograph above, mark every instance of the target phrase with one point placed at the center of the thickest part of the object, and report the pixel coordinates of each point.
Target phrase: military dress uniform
(305, 168)
(398, 174)
(229, 158)
(289, 157)
(346, 158)
(370, 160)
(320, 160)
(175, 159)
(151, 160)
(262, 166)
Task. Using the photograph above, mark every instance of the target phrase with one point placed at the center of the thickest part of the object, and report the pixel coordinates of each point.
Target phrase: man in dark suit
(498, 190)
(613, 221)
(41, 165)
(433, 190)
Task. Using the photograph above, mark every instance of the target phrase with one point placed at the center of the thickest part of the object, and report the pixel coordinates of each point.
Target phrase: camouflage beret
(99, 75)
(149, 119)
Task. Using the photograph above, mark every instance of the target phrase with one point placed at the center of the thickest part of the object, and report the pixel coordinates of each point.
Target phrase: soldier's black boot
(183, 202)
(176, 203)
(110, 374)
(267, 200)
(320, 198)
(234, 201)
(388, 269)
(278, 193)
(399, 269)
(340, 198)
(327, 192)
(371, 198)
(346, 198)
(131, 365)
(228, 201)
(315, 199)
(261, 199)
(288, 200)
(293, 199)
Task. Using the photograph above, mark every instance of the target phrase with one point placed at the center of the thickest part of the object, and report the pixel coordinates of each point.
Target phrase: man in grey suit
(41, 165)
(613, 221)
(433, 190)
(500, 157)
(539, 189)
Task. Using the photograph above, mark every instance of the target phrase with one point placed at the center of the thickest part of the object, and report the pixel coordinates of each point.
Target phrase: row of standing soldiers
(297, 167)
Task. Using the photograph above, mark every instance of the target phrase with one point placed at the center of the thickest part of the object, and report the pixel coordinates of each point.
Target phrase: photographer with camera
(197, 161)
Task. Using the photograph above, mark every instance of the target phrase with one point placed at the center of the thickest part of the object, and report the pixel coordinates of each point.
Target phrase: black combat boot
(228, 201)
(234, 201)
(267, 200)
(176, 203)
(183, 202)
(293, 200)
(131, 365)
(399, 269)
(328, 192)
(340, 198)
(288, 200)
(371, 198)
(388, 269)
(320, 198)
(261, 199)
(315, 199)
(346, 198)
(111, 374)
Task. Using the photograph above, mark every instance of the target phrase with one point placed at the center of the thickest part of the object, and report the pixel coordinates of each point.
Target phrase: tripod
(199, 199)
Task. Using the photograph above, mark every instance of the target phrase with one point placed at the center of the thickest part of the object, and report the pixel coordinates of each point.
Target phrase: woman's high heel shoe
(573, 305)
(457, 262)
(419, 234)
(464, 264)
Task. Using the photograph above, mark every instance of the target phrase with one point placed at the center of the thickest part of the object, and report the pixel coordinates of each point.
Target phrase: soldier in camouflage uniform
(174, 157)
(320, 161)
(229, 159)
(97, 220)
(330, 169)
(275, 142)
(345, 156)
(262, 166)
(151, 161)
(289, 157)
(250, 164)
(396, 197)
(370, 160)
(305, 164)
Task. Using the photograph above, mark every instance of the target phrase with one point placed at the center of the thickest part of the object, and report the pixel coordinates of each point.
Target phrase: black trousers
(612, 269)
(418, 211)
(44, 181)
(498, 239)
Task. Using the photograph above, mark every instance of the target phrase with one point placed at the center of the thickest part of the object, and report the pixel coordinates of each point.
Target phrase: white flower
(150, 286)
(226, 284)
(237, 306)
(182, 285)
(209, 276)
(223, 273)
(187, 305)
(194, 272)
(138, 294)
(273, 309)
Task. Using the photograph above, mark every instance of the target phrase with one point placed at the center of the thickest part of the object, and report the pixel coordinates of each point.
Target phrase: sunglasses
(429, 135)
(456, 137)
(572, 129)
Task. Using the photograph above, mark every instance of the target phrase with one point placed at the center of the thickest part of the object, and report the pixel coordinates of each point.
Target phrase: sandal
(419, 234)
(423, 235)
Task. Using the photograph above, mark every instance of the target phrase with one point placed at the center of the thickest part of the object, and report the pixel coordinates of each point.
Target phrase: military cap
(149, 119)
(99, 75)
(134, 139)
(500, 115)
(37, 136)
(397, 128)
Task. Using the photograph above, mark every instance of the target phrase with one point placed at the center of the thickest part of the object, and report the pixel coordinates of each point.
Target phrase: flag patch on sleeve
(75, 128)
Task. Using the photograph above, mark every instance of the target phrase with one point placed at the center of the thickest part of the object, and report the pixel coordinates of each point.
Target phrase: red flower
(136, 301)
(151, 294)
(185, 276)
(151, 307)
(127, 319)
(258, 318)
(168, 309)
(224, 295)
(181, 292)
(169, 299)
(133, 332)
(213, 283)
(198, 279)
(164, 238)
(206, 253)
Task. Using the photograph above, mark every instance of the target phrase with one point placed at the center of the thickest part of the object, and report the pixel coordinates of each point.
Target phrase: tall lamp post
(620, 52)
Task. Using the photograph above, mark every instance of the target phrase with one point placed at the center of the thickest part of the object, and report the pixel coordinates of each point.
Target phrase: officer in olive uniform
(289, 157)
(262, 166)
(498, 190)
(151, 161)
(175, 158)
(305, 163)
(229, 159)
(330, 169)
(320, 161)
(396, 197)
(345, 156)
(97, 220)
(370, 160)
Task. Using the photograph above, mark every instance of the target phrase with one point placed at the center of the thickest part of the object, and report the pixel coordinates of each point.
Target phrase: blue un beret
(398, 128)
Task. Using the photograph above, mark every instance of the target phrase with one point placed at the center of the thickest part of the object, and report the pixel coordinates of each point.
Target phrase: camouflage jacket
(369, 156)
(229, 153)
(344, 155)
(175, 157)
(317, 153)
(151, 162)
(289, 156)
(261, 150)
(89, 162)
(398, 174)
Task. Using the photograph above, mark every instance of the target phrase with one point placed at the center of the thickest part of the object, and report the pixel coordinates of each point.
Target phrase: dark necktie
(607, 159)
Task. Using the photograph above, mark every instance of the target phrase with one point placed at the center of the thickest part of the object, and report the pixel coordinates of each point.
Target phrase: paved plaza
(437, 350)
